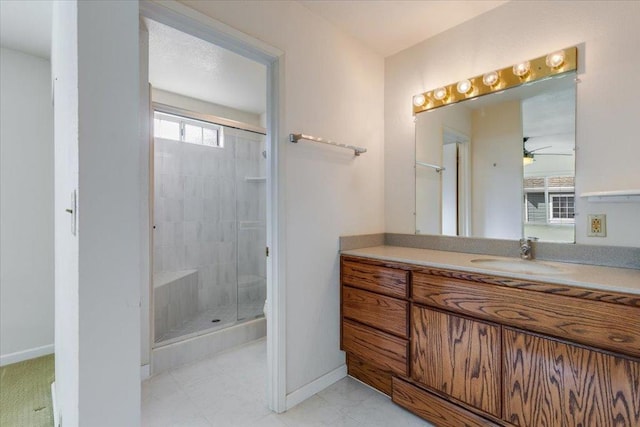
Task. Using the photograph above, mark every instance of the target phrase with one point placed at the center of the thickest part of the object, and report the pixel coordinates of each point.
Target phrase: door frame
(189, 21)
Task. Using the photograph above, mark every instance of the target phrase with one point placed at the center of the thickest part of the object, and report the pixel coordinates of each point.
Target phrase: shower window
(177, 128)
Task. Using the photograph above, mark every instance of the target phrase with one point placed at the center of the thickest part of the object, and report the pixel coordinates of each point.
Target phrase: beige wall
(607, 35)
(333, 88)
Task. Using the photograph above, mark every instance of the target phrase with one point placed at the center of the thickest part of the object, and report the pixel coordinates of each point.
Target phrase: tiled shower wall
(209, 217)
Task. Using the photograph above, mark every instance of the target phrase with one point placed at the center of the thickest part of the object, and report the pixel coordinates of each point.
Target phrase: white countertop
(586, 276)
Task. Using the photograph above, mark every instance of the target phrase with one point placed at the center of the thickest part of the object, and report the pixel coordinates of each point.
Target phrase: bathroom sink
(516, 266)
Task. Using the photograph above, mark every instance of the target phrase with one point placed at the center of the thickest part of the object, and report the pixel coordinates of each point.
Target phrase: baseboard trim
(54, 406)
(145, 372)
(20, 356)
(305, 392)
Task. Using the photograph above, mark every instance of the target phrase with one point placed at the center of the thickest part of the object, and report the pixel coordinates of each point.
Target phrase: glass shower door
(251, 217)
(210, 228)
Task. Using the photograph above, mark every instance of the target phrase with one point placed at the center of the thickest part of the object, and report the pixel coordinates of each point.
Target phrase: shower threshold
(208, 321)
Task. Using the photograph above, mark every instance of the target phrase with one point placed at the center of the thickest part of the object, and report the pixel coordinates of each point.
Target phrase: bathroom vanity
(472, 340)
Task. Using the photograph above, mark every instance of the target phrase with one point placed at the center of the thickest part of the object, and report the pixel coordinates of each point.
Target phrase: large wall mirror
(500, 165)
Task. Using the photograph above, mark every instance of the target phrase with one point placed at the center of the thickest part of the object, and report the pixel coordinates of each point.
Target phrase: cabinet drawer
(375, 347)
(383, 280)
(609, 326)
(381, 312)
(433, 408)
(369, 374)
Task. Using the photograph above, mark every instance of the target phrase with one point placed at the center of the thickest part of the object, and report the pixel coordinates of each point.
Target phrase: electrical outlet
(597, 225)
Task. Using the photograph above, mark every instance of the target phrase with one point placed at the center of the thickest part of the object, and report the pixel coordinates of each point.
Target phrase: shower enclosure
(209, 266)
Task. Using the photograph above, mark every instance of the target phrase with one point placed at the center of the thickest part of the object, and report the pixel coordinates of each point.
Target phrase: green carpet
(25, 393)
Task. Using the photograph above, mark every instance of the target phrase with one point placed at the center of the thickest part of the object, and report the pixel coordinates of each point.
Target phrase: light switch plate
(597, 225)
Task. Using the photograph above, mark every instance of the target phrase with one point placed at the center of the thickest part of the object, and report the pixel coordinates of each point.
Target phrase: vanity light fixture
(521, 69)
(491, 78)
(464, 86)
(550, 65)
(555, 59)
(440, 93)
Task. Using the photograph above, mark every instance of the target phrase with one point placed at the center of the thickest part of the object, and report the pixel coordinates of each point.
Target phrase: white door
(450, 189)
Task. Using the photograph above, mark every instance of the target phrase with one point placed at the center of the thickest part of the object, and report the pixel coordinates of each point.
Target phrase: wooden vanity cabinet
(610, 326)
(375, 321)
(492, 351)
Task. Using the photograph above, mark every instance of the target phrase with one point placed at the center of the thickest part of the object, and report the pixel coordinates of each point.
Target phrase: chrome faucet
(526, 247)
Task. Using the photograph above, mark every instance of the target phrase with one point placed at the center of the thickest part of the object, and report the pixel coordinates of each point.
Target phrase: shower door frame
(189, 21)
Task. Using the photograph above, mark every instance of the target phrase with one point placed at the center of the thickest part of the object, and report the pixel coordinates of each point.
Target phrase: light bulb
(440, 93)
(491, 78)
(555, 59)
(419, 100)
(464, 86)
(522, 69)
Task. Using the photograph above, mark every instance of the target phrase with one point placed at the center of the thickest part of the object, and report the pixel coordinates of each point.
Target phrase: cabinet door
(551, 383)
(457, 356)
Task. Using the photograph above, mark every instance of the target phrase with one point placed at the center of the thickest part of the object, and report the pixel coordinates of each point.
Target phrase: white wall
(199, 106)
(496, 171)
(608, 108)
(64, 74)
(333, 87)
(26, 207)
(98, 271)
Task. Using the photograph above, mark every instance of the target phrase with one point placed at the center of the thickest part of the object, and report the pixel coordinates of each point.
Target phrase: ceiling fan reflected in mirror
(528, 156)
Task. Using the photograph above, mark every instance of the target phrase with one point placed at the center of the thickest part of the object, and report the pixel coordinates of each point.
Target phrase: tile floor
(228, 390)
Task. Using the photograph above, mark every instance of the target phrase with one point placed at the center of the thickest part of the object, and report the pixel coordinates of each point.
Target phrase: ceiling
(26, 26)
(549, 121)
(389, 26)
(190, 66)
